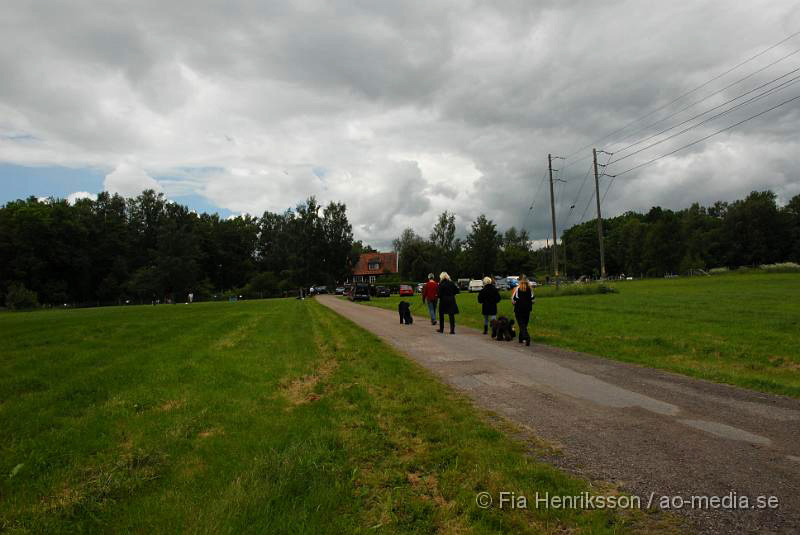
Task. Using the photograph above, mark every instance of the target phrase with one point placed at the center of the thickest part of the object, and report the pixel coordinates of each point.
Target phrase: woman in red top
(430, 294)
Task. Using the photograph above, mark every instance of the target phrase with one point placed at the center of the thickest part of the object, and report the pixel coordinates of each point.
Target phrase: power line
(708, 111)
(535, 198)
(575, 200)
(583, 215)
(695, 103)
(610, 183)
(707, 137)
(757, 97)
(592, 193)
(704, 84)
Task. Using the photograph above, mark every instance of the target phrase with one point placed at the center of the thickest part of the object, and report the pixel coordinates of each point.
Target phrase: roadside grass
(742, 330)
(253, 417)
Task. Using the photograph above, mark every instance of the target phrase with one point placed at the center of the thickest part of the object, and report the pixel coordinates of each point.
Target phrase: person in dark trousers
(430, 294)
(447, 302)
(488, 297)
(522, 298)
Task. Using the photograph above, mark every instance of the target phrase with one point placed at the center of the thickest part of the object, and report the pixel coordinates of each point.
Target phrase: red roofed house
(372, 266)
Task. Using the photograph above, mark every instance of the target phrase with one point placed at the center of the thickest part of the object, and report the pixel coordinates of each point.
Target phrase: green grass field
(737, 329)
(252, 417)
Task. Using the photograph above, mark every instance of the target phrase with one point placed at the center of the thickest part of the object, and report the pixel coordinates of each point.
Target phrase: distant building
(372, 266)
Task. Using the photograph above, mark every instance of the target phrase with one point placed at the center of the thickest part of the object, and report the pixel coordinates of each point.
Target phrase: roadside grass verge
(739, 329)
(253, 417)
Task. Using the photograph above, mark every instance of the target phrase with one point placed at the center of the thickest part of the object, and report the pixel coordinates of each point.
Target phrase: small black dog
(404, 309)
(503, 329)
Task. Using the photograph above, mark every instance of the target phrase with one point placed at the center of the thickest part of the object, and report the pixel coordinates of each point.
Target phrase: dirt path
(651, 432)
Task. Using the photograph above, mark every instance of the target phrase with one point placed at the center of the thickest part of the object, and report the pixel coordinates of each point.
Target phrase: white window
(372, 278)
(374, 266)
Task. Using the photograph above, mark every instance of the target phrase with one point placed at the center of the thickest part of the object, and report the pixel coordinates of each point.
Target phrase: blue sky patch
(20, 182)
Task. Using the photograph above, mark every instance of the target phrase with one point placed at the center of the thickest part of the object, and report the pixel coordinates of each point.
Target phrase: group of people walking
(444, 294)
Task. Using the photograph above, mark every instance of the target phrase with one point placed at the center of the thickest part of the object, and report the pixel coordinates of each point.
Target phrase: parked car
(501, 283)
(320, 289)
(475, 285)
(419, 287)
(512, 281)
(406, 289)
(339, 290)
(463, 284)
(359, 292)
(381, 291)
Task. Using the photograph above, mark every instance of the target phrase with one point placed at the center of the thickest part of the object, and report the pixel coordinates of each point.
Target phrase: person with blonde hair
(488, 297)
(447, 302)
(522, 297)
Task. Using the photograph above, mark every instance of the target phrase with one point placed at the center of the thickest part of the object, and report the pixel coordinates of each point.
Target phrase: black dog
(404, 309)
(503, 329)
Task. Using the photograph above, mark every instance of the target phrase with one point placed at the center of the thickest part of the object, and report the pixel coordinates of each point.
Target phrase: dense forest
(113, 250)
(747, 232)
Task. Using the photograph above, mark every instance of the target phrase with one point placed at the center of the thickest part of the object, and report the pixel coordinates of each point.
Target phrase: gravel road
(654, 434)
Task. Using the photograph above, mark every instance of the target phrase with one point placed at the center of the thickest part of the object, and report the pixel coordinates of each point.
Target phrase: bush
(19, 297)
(785, 267)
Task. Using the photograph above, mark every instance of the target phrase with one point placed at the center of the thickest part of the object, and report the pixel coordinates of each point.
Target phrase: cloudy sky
(399, 109)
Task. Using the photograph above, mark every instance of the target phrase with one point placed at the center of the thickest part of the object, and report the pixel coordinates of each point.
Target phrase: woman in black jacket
(447, 301)
(488, 297)
(522, 297)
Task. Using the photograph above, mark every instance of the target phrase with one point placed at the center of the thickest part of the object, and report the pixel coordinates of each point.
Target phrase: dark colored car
(340, 290)
(359, 292)
(405, 289)
(320, 289)
(381, 291)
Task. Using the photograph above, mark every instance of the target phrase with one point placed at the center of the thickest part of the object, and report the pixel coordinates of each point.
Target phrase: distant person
(191, 297)
(430, 295)
(447, 301)
(488, 297)
(522, 298)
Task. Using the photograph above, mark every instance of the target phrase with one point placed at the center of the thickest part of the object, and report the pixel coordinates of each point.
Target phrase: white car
(475, 285)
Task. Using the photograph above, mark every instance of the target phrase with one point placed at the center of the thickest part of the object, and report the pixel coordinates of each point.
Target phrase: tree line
(748, 232)
(112, 250)
(484, 251)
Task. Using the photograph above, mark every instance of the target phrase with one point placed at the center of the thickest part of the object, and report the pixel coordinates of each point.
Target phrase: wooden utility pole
(553, 216)
(599, 217)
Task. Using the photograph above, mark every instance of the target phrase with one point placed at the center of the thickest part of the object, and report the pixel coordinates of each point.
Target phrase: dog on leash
(503, 329)
(404, 309)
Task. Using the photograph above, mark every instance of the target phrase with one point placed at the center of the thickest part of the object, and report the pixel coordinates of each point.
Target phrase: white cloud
(72, 197)
(129, 180)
